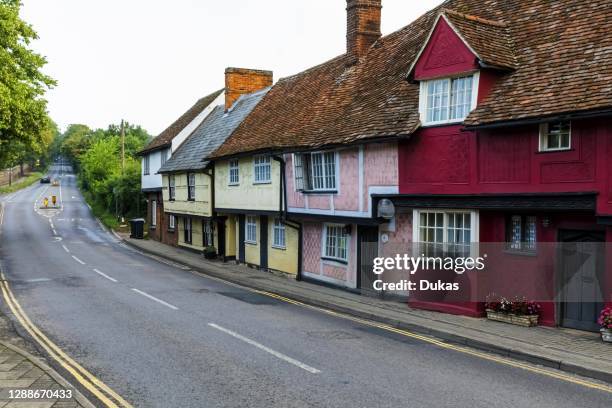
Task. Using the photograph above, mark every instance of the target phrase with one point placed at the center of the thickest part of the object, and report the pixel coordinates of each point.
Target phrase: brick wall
(240, 81)
(363, 25)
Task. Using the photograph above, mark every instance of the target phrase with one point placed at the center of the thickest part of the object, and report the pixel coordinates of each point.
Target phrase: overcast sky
(147, 61)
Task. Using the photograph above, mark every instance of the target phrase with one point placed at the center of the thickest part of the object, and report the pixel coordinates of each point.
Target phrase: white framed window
(154, 213)
(165, 155)
(445, 232)
(208, 233)
(146, 165)
(191, 185)
(315, 171)
(521, 233)
(278, 234)
(262, 169)
(234, 172)
(448, 100)
(171, 222)
(188, 232)
(171, 187)
(251, 229)
(335, 242)
(555, 136)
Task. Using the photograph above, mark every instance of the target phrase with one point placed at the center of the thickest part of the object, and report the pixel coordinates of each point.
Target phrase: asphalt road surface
(164, 337)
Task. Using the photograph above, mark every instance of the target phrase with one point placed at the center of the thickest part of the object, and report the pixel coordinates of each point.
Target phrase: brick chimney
(240, 81)
(363, 25)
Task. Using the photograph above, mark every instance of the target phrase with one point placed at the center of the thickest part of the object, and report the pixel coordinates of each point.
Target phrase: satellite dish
(386, 209)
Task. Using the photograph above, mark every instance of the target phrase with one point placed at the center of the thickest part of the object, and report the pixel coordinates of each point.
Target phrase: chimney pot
(363, 25)
(241, 81)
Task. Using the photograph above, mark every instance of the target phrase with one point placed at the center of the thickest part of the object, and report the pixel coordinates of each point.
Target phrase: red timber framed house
(511, 153)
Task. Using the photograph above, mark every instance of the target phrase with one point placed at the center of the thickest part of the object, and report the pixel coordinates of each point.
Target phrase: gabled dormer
(459, 50)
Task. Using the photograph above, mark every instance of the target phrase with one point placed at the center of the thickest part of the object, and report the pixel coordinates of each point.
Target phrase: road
(161, 336)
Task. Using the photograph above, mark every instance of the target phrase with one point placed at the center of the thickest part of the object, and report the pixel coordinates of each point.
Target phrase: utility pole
(122, 147)
(122, 165)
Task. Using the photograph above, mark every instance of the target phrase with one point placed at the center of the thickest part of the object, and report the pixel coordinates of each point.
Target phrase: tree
(23, 116)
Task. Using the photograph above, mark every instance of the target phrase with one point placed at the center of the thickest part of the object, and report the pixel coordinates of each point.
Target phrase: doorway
(367, 250)
(581, 272)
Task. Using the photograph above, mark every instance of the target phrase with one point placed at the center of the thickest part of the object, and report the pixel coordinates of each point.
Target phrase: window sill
(172, 230)
(336, 261)
(233, 185)
(555, 151)
(444, 123)
(280, 248)
(250, 243)
(262, 182)
(314, 192)
(152, 227)
(191, 200)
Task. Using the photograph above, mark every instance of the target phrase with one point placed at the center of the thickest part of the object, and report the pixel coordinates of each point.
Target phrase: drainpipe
(284, 213)
(210, 172)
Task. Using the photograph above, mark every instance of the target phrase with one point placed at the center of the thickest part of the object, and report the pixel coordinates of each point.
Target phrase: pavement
(142, 331)
(569, 350)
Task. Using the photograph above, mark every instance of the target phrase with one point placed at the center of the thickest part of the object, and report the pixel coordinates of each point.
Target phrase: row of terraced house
(478, 123)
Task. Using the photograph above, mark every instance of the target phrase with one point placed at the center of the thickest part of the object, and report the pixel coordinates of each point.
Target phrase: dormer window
(448, 100)
(555, 136)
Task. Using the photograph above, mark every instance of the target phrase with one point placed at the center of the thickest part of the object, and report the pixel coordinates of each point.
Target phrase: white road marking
(54, 231)
(37, 280)
(105, 276)
(65, 248)
(140, 292)
(283, 357)
(78, 260)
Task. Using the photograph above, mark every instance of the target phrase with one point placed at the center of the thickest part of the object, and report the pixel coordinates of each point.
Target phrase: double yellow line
(103, 392)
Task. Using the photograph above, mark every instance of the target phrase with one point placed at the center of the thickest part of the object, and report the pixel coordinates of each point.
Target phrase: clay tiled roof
(561, 51)
(564, 49)
(490, 39)
(164, 139)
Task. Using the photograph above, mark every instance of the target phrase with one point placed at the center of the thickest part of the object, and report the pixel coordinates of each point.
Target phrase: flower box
(518, 320)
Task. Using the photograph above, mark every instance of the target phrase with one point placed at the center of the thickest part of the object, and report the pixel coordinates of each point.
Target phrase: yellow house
(187, 177)
(249, 192)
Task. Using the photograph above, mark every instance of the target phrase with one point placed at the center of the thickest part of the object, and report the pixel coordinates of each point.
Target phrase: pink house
(332, 198)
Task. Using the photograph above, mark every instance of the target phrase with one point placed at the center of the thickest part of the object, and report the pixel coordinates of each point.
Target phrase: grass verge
(100, 212)
(21, 183)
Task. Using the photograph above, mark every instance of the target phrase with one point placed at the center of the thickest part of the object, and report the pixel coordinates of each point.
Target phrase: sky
(148, 61)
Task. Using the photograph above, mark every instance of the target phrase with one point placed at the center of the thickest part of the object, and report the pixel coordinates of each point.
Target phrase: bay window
(445, 232)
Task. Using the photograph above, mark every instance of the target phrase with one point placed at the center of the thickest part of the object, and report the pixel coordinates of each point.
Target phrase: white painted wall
(154, 180)
(182, 136)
